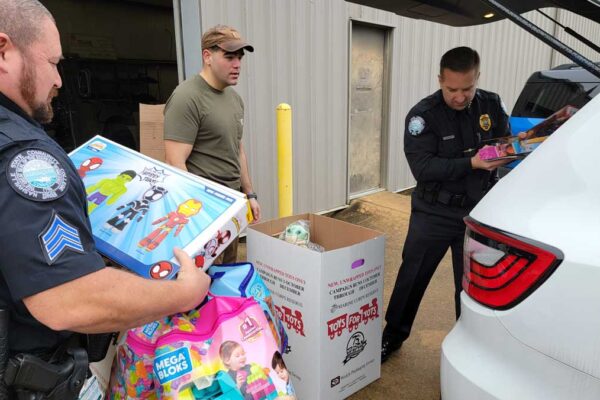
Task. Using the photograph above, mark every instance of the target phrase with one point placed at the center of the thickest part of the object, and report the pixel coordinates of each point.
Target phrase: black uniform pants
(429, 237)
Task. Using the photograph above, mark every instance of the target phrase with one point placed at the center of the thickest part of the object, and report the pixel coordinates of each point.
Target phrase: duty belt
(29, 377)
(434, 194)
(452, 199)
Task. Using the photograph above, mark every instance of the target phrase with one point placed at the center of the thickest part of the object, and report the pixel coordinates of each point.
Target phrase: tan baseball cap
(226, 38)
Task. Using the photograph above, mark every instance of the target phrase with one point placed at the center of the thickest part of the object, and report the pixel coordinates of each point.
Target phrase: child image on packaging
(279, 367)
(233, 357)
(110, 189)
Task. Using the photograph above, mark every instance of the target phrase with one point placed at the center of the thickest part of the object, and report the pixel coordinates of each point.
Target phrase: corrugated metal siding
(295, 62)
(301, 58)
(508, 54)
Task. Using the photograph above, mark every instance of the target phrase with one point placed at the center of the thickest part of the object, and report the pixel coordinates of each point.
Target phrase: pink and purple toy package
(242, 280)
(510, 148)
(141, 208)
(224, 351)
(230, 348)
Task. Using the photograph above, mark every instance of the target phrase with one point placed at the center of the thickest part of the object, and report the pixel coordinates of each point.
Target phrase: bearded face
(41, 111)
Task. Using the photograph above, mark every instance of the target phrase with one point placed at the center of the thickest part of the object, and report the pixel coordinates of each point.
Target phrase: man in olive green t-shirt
(204, 120)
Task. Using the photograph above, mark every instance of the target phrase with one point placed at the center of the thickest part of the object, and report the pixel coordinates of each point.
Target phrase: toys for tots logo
(367, 312)
(293, 320)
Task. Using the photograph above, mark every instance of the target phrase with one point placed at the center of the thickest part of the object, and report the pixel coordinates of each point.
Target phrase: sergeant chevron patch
(59, 237)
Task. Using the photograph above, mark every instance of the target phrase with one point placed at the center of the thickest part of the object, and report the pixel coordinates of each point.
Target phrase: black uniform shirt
(439, 143)
(45, 234)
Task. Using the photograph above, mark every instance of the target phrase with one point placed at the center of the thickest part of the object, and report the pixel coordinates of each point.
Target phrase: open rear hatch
(476, 12)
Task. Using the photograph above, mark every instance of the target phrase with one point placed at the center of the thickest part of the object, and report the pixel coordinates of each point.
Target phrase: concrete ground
(413, 373)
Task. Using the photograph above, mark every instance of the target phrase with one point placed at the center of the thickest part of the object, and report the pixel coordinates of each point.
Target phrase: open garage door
(117, 54)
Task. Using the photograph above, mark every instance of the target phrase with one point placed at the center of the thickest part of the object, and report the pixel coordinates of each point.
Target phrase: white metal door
(367, 75)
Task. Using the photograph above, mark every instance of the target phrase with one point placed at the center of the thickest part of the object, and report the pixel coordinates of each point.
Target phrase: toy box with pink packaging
(233, 358)
(140, 209)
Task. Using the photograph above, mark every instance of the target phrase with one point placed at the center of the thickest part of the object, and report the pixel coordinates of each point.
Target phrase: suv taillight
(502, 269)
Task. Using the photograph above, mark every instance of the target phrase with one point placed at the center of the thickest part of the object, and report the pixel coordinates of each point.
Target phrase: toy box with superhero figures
(141, 208)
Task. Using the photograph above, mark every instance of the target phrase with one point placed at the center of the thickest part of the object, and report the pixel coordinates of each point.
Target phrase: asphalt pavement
(413, 373)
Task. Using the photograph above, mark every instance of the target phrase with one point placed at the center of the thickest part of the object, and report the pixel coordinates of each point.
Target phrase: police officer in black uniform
(53, 283)
(443, 134)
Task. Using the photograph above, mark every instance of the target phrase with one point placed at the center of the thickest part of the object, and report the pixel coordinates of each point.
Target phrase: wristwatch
(251, 196)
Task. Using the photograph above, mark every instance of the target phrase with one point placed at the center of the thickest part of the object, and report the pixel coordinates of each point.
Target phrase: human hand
(525, 134)
(192, 280)
(255, 208)
(240, 378)
(478, 163)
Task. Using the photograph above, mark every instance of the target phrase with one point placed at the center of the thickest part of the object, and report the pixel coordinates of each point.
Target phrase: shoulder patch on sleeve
(58, 237)
(36, 175)
(416, 125)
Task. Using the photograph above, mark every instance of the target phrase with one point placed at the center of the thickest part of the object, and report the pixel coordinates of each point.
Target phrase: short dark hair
(21, 21)
(129, 173)
(277, 361)
(460, 59)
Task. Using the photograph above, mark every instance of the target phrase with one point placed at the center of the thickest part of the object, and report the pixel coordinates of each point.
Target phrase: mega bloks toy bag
(242, 280)
(231, 353)
(134, 375)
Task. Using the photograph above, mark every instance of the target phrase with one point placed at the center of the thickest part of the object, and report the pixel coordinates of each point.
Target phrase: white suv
(530, 323)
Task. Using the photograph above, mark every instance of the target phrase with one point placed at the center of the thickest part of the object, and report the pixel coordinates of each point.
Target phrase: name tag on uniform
(448, 137)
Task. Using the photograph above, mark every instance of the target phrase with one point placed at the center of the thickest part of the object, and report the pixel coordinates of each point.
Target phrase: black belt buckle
(444, 197)
(458, 200)
(452, 200)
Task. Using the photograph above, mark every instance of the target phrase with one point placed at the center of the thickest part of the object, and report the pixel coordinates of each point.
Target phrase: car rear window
(542, 99)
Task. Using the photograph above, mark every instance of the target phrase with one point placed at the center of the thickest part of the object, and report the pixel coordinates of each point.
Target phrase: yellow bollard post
(284, 157)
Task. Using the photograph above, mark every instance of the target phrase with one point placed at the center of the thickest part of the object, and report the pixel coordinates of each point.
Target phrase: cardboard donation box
(140, 209)
(330, 302)
(151, 131)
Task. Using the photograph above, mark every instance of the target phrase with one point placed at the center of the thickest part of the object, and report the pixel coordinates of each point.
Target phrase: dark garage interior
(117, 54)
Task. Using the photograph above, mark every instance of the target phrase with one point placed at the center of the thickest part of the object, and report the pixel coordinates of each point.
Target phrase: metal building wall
(508, 54)
(301, 58)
